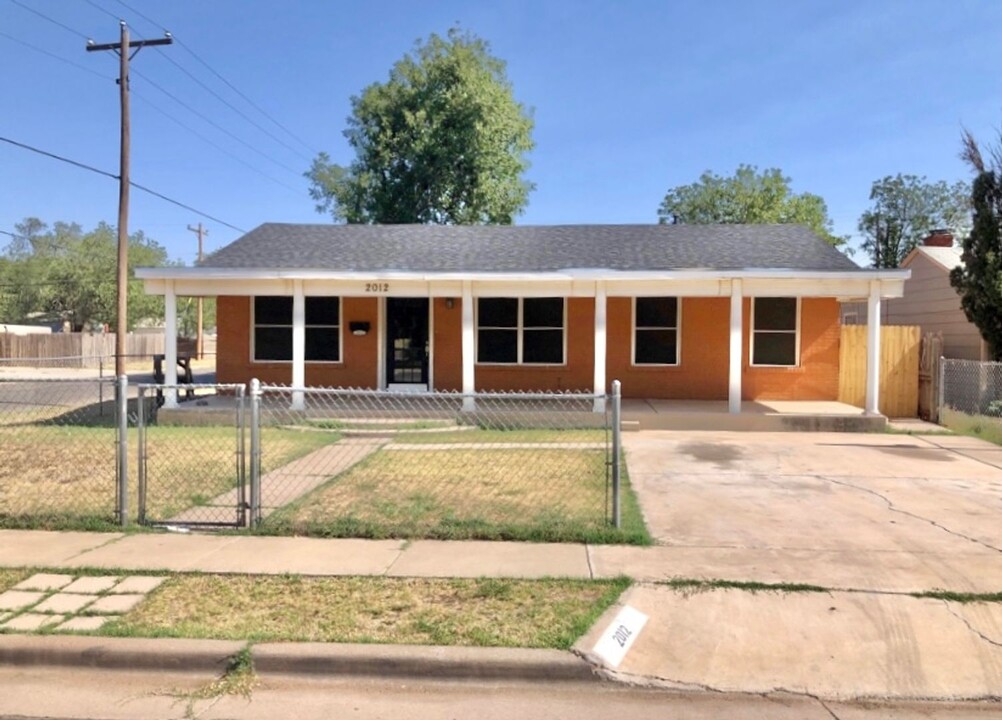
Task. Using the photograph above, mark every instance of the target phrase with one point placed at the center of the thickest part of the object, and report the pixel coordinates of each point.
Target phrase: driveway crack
(892, 508)
(970, 627)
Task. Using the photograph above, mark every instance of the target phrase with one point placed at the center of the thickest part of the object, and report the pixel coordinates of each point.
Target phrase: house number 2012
(377, 287)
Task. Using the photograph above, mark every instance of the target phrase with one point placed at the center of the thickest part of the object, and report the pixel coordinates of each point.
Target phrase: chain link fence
(971, 396)
(314, 461)
(59, 451)
(362, 463)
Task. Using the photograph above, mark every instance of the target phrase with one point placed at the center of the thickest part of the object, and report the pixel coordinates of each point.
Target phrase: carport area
(887, 512)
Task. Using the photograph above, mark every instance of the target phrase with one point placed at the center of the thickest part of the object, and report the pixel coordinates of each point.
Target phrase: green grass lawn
(544, 494)
(979, 426)
(485, 612)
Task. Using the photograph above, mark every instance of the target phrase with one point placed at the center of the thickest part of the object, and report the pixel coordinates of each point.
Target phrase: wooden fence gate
(899, 368)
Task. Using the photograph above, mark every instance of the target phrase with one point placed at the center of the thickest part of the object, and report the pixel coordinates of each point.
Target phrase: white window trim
(677, 329)
(519, 329)
(752, 331)
(340, 339)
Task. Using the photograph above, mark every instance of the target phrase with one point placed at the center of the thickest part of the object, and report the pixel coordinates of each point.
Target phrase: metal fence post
(122, 415)
(242, 514)
(255, 452)
(141, 455)
(616, 453)
(941, 400)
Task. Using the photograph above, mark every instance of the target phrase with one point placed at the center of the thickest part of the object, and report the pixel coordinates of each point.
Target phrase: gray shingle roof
(527, 248)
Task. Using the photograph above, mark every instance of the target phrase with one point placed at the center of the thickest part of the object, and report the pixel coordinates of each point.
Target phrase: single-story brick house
(672, 311)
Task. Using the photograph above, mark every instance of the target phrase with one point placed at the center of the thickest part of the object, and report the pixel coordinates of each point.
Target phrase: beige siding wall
(931, 303)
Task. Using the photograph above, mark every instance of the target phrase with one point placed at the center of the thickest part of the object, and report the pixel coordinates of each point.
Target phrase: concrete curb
(398, 661)
(117, 653)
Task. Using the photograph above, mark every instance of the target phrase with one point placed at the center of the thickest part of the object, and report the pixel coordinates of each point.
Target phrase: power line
(77, 65)
(156, 107)
(51, 20)
(213, 144)
(222, 79)
(106, 12)
(145, 189)
(214, 124)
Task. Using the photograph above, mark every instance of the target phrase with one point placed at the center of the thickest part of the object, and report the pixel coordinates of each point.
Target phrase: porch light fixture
(450, 302)
(359, 328)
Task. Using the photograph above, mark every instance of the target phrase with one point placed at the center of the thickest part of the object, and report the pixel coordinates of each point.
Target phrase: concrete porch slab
(760, 416)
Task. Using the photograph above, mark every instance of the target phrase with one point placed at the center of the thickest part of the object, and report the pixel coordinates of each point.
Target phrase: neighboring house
(673, 311)
(932, 303)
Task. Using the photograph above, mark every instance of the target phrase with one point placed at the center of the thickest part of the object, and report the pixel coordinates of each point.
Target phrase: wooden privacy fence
(74, 349)
(899, 368)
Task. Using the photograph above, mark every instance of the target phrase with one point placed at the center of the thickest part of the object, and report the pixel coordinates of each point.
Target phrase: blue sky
(629, 98)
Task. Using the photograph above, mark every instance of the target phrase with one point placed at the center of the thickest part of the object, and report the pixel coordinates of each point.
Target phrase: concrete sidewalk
(888, 571)
(869, 641)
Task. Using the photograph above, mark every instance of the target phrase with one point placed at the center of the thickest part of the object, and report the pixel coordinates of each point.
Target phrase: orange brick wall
(817, 376)
(358, 353)
(702, 374)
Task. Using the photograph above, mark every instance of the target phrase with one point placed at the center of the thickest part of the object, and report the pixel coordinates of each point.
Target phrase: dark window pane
(773, 348)
(273, 343)
(543, 346)
(775, 313)
(273, 310)
(497, 346)
(657, 312)
(656, 347)
(497, 312)
(322, 310)
(322, 344)
(543, 312)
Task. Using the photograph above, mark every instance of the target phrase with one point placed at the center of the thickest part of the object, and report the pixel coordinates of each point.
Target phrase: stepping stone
(91, 585)
(137, 584)
(44, 581)
(64, 603)
(116, 603)
(32, 621)
(87, 623)
(19, 599)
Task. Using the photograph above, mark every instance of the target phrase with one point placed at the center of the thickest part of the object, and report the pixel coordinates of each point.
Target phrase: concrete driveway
(873, 511)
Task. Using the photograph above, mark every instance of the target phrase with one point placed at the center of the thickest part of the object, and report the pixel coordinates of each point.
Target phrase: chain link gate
(191, 476)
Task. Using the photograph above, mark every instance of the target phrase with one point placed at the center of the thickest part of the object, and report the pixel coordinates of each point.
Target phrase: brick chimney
(939, 238)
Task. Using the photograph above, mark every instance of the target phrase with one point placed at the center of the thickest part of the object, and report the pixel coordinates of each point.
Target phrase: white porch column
(170, 345)
(600, 345)
(469, 368)
(734, 372)
(298, 343)
(873, 351)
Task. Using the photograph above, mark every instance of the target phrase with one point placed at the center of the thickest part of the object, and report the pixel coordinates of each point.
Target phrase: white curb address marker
(618, 638)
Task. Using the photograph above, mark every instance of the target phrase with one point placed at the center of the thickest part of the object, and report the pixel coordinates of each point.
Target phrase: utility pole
(123, 48)
(200, 231)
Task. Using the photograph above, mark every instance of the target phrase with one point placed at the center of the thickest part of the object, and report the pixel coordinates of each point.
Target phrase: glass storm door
(407, 341)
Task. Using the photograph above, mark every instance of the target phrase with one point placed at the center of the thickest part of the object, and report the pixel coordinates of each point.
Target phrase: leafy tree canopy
(747, 197)
(905, 209)
(64, 273)
(979, 280)
(443, 140)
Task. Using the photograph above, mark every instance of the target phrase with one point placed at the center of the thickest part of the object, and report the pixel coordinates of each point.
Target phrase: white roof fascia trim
(563, 275)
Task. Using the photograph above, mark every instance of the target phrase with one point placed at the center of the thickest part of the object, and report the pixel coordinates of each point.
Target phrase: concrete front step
(749, 422)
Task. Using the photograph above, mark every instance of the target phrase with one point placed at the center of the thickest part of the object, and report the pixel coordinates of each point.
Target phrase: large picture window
(526, 331)
(655, 330)
(273, 329)
(775, 324)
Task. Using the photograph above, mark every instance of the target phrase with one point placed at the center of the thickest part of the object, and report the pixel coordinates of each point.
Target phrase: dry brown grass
(418, 492)
(486, 612)
(70, 471)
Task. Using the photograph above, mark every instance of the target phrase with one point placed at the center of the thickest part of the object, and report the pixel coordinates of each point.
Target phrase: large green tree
(905, 209)
(70, 275)
(443, 140)
(748, 196)
(979, 280)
